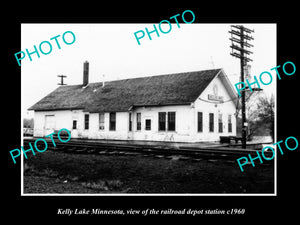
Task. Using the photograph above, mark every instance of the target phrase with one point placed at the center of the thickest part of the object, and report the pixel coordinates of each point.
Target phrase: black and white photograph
(148, 116)
(150, 111)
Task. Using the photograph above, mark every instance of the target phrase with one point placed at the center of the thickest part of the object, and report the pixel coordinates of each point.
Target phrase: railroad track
(159, 151)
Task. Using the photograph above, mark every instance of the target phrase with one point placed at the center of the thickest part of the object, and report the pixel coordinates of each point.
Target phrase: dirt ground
(58, 172)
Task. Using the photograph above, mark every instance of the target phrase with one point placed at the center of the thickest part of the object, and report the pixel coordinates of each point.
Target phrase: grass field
(58, 172)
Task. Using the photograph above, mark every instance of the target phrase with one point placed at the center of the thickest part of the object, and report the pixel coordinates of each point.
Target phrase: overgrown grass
(57, 172)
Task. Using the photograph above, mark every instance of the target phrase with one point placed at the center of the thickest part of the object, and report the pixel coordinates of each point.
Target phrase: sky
(113, 53)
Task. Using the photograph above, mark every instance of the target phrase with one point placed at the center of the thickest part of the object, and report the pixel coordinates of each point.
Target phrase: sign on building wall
(215, 96)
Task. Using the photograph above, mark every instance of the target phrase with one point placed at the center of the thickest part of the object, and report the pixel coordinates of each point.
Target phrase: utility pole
(62, 79)
(239, 37)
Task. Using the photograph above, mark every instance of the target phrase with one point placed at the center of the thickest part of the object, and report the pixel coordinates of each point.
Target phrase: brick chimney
(85, 73)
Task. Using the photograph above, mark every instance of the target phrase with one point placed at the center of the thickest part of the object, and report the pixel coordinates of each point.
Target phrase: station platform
(162, 144)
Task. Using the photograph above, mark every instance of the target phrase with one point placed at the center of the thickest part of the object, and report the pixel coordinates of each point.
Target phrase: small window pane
(148, 124)
(86, 121)
(74, 125)
(130, 122)
(229, 124)
(220, 124)
(171, 121)
(161, 121)
(211, 122)
(200, 122)
(138, 121)
(112, 121)
(101, 121)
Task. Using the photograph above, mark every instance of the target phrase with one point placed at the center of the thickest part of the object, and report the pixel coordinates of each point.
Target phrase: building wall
(205, 105)
(62, 119)
(182, 125)
(121, 127)
(65, 118)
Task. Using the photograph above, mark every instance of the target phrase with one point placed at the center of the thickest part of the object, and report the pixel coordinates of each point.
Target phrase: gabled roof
(121, 95)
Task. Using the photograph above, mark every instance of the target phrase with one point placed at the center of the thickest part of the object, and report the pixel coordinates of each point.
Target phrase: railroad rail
(160, 150)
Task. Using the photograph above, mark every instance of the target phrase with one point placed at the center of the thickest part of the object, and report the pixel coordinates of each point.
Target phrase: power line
(240, 36)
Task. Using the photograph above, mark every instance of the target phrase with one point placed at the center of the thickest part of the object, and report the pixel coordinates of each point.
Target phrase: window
(86, 121)
(229, 124)
(161, 121)
(211, 122)
(112, 121)
(166, 121)
(130, 122)
(74, 127)
(200, 122)
(171, 121)
(148, 124)
(138, 121)
(220, 124)
(101, 121)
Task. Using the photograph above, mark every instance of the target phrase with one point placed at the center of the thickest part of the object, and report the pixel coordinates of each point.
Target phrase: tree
(262, 117)
(251, 100)
(28, 123)
(266, 113)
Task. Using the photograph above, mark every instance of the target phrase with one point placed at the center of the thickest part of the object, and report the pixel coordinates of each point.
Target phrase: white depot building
(183, 107)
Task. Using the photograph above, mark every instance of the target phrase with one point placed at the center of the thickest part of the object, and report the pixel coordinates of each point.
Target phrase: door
(49, 124)
(130, 133)
(74, 131)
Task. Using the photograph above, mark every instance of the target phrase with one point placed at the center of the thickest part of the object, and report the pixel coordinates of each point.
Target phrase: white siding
(63, 119)
(182, 124)
(226, 108)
